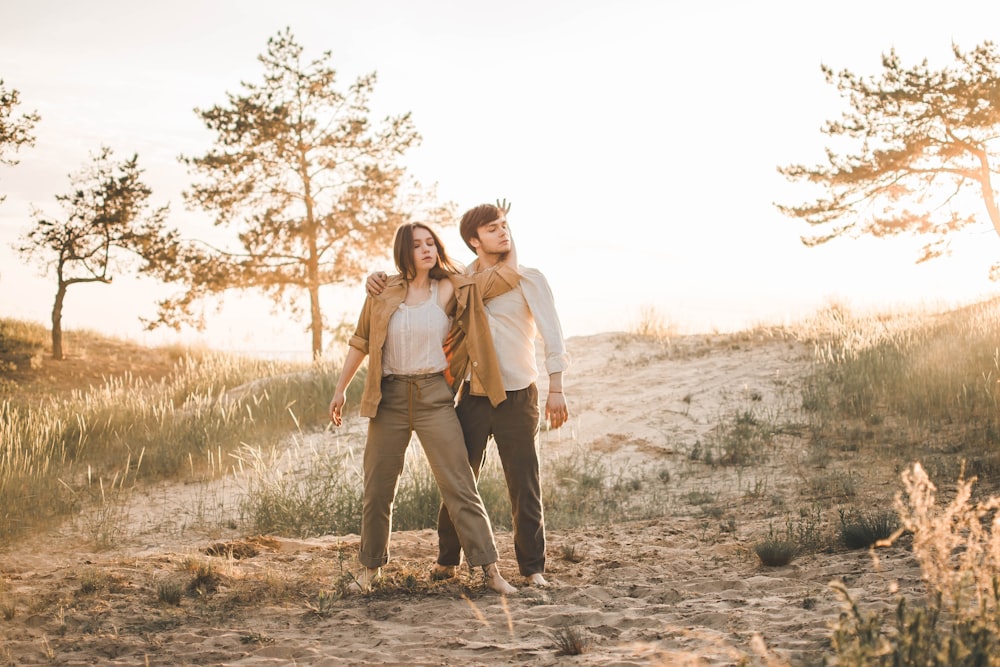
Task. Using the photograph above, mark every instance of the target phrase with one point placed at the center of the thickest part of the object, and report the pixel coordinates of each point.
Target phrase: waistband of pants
(392, 377)
(467, 388)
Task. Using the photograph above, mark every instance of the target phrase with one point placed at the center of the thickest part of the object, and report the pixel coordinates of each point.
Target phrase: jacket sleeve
(362, 332)
(496, 280)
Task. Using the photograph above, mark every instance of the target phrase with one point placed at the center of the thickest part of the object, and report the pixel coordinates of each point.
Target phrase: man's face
(494, 237)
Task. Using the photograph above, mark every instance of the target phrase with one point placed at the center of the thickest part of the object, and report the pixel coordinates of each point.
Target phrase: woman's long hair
(403, 251)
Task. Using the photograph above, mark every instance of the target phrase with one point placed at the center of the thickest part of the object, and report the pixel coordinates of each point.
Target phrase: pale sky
(637, 140)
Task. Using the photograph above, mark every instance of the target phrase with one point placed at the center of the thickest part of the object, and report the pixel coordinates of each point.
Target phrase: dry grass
(570, 640)
(958, 623)
(653, 324)
(68, 443)
(957, 545)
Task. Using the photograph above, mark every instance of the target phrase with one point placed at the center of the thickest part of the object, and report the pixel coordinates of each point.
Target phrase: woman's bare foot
(363, 582)
(440, 572)
(537, 579)
(495, 580)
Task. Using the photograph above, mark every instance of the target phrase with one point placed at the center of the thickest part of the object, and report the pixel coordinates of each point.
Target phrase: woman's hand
(351, 364)
(336, 407)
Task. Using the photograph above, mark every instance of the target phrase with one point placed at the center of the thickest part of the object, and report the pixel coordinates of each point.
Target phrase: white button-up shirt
(516, 319)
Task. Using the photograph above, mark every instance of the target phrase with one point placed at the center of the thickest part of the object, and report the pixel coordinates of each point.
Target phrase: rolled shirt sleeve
(542, 304)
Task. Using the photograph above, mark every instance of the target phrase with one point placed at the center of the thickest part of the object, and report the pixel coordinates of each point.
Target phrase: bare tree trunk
(312, 259)
(316, 323)
(991, 207)
(989, 196)
(57, 307)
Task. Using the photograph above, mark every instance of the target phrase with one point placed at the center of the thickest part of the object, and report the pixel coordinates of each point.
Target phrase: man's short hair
(475, 218)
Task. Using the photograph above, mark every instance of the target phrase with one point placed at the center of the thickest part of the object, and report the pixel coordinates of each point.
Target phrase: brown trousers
(424, 404)
(514, 427)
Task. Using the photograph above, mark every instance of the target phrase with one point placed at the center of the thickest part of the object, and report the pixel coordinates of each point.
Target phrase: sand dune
(683, 589)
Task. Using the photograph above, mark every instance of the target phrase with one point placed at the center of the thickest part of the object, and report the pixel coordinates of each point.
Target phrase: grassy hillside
(28, 370)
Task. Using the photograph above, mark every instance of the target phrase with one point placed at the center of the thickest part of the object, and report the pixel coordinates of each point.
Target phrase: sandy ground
(682, 589)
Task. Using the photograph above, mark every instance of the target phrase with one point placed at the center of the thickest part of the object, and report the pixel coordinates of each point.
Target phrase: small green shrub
(418, 500)
(581, 489)
(838, 484)
(776, 549)
(695, 453)
(862, 529)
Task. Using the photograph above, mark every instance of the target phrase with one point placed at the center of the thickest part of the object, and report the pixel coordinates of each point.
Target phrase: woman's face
(425, 252)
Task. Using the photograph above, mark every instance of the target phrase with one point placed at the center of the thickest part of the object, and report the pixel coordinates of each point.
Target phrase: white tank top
(414, 340)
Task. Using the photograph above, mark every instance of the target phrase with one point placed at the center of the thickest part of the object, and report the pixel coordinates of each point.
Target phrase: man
(515, 318)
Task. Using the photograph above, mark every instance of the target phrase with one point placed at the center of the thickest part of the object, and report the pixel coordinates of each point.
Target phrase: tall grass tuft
(651, 324)
(777, 549)
(107, 523)
(301, 492)
(958, 548)
(570, 640)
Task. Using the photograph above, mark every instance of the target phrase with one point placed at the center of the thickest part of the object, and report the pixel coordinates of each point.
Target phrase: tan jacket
(468, 347)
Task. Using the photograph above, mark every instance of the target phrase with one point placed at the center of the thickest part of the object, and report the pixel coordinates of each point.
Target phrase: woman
(429, 322)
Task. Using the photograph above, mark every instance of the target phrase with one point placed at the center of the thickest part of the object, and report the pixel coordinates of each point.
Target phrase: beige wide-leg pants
(424, 404)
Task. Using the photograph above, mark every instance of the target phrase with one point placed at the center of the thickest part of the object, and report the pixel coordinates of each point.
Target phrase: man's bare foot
(537, 579)
(441, 572)
(363, 582)
(495, 581)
